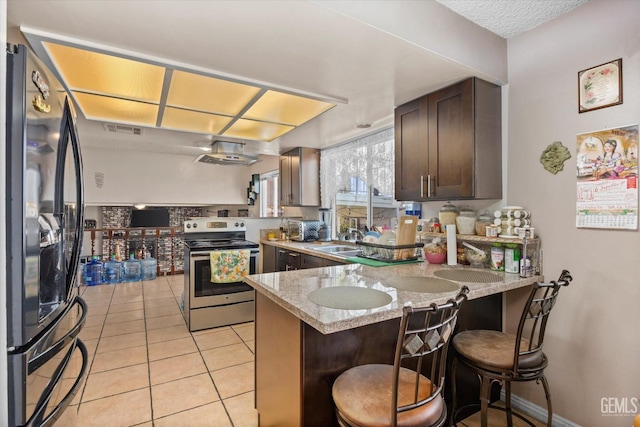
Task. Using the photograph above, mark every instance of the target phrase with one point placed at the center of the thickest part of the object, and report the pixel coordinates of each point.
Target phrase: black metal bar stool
(498, 357)
(398, 394)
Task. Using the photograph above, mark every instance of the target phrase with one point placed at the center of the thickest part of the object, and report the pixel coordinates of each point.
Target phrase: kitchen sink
(339, 250)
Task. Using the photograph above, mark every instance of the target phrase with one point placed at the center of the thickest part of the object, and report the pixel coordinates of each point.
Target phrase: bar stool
(497, 357)
(398, 394)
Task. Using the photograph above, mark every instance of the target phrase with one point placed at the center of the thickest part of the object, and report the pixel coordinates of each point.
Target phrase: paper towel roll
(452, 252)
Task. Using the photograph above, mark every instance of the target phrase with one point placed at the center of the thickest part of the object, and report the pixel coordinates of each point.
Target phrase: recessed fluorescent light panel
(120, 88)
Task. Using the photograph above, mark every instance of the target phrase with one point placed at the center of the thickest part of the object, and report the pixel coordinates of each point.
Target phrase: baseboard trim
(537, 412)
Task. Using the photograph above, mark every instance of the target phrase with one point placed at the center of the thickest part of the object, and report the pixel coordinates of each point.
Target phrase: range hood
(227, 153)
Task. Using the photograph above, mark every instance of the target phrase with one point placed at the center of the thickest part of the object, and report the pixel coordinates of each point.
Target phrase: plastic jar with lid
(434, 225)
(497, 257)
(448, 215)
(512, 258)
(466, 221)
(484, 219)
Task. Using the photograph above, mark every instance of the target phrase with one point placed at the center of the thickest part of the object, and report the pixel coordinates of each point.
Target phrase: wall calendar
(607, 187)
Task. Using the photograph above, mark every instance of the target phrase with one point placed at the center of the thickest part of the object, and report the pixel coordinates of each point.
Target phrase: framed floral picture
(600, 86)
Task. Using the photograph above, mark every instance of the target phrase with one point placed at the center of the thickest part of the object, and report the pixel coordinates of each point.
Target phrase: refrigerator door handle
(79, 229)
(69, 132)
(54, 349)
(38, 415)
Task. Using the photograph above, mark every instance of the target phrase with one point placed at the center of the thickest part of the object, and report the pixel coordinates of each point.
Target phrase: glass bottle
(113, 271)
(466, 221)
(447, 215)
(484, 219)
(149, 267)
(132, 269)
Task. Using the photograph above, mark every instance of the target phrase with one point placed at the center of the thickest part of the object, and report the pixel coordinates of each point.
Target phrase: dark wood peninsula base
(296, 365)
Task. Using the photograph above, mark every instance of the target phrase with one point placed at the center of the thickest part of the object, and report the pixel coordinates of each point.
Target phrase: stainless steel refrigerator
(47, 361)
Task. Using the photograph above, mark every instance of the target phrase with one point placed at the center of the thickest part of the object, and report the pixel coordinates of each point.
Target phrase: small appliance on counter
(324, 232)
(303, 230)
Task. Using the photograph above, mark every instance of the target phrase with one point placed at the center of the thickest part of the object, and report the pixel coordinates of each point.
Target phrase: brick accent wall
(170, 250)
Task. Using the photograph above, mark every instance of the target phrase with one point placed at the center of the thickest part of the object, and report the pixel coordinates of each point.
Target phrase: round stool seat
(494, 349)
(362, 396)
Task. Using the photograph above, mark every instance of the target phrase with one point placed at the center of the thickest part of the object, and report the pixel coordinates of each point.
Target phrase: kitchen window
(357, 181)
(269, 194)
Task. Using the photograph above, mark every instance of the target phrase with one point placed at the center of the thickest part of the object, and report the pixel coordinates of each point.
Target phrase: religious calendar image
(607, 187)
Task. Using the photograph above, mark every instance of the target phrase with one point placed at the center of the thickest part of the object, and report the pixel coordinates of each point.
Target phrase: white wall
(435, 28)
(592, 339)
(130, 177)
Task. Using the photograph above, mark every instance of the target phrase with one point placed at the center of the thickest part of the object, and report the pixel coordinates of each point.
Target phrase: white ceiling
(301, 46)
(510, 18)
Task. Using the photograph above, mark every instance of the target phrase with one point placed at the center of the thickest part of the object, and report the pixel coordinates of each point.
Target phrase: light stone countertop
(291, 289)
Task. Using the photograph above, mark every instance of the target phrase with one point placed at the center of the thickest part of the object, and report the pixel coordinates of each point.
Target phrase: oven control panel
(213, 224)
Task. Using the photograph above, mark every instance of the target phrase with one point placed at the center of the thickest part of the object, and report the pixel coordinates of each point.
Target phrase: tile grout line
(212, 380)
(90, 367)
(146, 341)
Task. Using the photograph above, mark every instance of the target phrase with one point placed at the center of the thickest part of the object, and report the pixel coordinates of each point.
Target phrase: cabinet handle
(429, 185)
(421, 185)
(294, 255)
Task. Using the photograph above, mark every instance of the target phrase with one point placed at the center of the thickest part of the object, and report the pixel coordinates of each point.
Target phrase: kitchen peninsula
(302, 344)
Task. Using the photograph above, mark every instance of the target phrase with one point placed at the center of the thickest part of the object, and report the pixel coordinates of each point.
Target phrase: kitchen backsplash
(120, 216)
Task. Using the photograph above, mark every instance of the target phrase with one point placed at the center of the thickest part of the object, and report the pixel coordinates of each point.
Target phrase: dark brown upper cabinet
(300, 177)
(448, 144)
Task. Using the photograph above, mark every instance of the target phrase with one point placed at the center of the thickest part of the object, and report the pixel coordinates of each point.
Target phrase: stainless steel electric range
(207, 304)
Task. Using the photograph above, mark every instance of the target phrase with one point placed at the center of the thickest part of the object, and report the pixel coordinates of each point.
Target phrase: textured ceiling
(508, 18)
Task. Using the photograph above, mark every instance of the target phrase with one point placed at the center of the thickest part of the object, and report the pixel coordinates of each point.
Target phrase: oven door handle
(204, 254)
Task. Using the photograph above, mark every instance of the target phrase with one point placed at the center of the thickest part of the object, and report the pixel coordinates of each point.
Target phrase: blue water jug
(93, 272)
(112, 271)
(132, 270)
(149, 267)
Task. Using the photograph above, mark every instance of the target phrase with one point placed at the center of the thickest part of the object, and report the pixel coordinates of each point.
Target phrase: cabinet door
(296, 185)
(300, 177)
(283, 259)
(269, 259)
(285, 180)
(310, 261)
(451, 141)
(411, 150)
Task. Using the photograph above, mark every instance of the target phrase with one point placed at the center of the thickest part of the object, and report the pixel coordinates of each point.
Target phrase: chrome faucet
(355, 234)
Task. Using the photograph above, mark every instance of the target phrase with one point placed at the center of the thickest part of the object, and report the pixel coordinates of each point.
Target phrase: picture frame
(600, 86)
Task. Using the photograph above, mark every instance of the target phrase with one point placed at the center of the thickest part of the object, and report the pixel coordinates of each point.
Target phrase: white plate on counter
(387, 236)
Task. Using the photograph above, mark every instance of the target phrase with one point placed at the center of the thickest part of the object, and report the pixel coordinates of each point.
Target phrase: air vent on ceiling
(124, 129)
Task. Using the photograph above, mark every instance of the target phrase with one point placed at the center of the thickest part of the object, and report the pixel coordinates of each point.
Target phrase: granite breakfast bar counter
(302, 345)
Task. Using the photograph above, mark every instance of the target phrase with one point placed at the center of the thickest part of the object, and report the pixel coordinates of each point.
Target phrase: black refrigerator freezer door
(45, 378)
(45, 198)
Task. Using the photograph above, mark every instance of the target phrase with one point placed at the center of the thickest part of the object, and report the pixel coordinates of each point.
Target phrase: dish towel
(229, 266)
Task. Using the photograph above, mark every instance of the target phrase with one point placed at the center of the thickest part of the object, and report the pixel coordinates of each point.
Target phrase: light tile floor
(147, 369)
